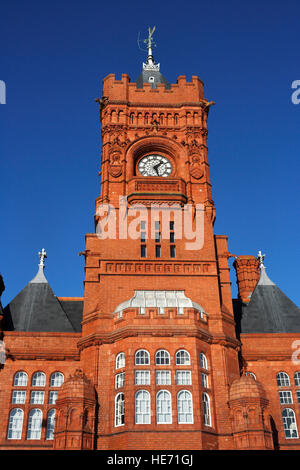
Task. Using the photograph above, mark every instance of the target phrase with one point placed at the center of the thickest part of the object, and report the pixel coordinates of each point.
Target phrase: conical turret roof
(269, 310)
(36, 308)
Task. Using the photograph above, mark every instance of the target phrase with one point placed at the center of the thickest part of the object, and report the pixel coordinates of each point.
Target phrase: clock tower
(158, 334)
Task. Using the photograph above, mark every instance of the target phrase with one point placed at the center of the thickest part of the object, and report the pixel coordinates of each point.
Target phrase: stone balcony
(154, 189)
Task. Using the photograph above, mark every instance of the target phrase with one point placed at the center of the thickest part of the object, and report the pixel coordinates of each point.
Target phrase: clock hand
(155, 168)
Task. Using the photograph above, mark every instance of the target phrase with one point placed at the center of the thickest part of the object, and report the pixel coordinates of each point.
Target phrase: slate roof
(36, 308)
(269, 310)
(157, 78)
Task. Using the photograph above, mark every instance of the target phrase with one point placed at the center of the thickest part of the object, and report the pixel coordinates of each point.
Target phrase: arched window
(163, 407)
(251, 374)
(203, 361)
(39, 379)
(283, 379)
(206, 409)
(142, 358)
(185, 407)
(182, 358)
(119, 409)
(162, 358)
(20, 379)
(142, 407)
(50, 424)
(289, 424)
(120, 360)
(15, 424)
(297, 379)
(56, 379)
(34, 424)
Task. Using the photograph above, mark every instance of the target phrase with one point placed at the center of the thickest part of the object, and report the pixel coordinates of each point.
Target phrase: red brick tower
(158, 333)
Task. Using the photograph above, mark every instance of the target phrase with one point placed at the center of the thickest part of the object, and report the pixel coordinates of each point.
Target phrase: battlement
(126, 91)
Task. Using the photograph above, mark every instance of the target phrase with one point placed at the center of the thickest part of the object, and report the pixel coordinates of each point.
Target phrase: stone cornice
(42, 355)
(132, 331)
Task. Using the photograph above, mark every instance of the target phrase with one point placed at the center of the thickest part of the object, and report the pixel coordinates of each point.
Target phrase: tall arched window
(289, 424)
(39, 379)
(15, 424)
(120, 360)
(182, 358)
(206, 409)
(142, 407)
(56, 379)
(297, 379)
(163, 407)
(283, 379)
(185, 407)
(142, 358)
(20, 379)
(162, 358)
(34, 424)
(203, 361)
(50, 424)
(119, 409)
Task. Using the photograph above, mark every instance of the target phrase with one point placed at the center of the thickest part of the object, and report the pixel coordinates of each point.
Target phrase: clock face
(155, 165)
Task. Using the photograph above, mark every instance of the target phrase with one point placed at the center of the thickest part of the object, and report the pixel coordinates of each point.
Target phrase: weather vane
(150, 43)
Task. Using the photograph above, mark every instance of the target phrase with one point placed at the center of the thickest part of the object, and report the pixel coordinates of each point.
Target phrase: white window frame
(182, 413)
(289, 423)
(18, 397)
(161, 405)
(182, 358)
(183, 377)
(15, 424)
(119, 409)
(206, 409)
(297, 379)
(120, 380)
(57, 379)
(37, 397)
(20, 379)
(142, 377)
(283, 379)
(53, 394)
(203, 361)
(142, 407)
(161, 356)
(34, 429)
(50, 424)
(204, 380)
(39, 379)
(251, 374)
(142, 358)
(285, 397)
(120, 360)
(163, 377)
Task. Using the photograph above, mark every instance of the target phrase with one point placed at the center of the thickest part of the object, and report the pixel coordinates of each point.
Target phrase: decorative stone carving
(115, 167)
(196, 170)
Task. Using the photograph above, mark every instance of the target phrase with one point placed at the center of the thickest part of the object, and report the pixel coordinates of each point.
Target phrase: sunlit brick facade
(156, 354)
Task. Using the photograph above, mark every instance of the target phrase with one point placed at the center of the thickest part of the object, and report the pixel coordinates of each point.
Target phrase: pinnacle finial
(42, 255)
(150, 43)
(261, 258)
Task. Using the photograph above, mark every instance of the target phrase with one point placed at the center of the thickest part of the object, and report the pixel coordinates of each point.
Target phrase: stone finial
(42, 255)
(261, 258)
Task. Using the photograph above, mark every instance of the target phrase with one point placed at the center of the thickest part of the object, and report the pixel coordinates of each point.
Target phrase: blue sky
(53, 58)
